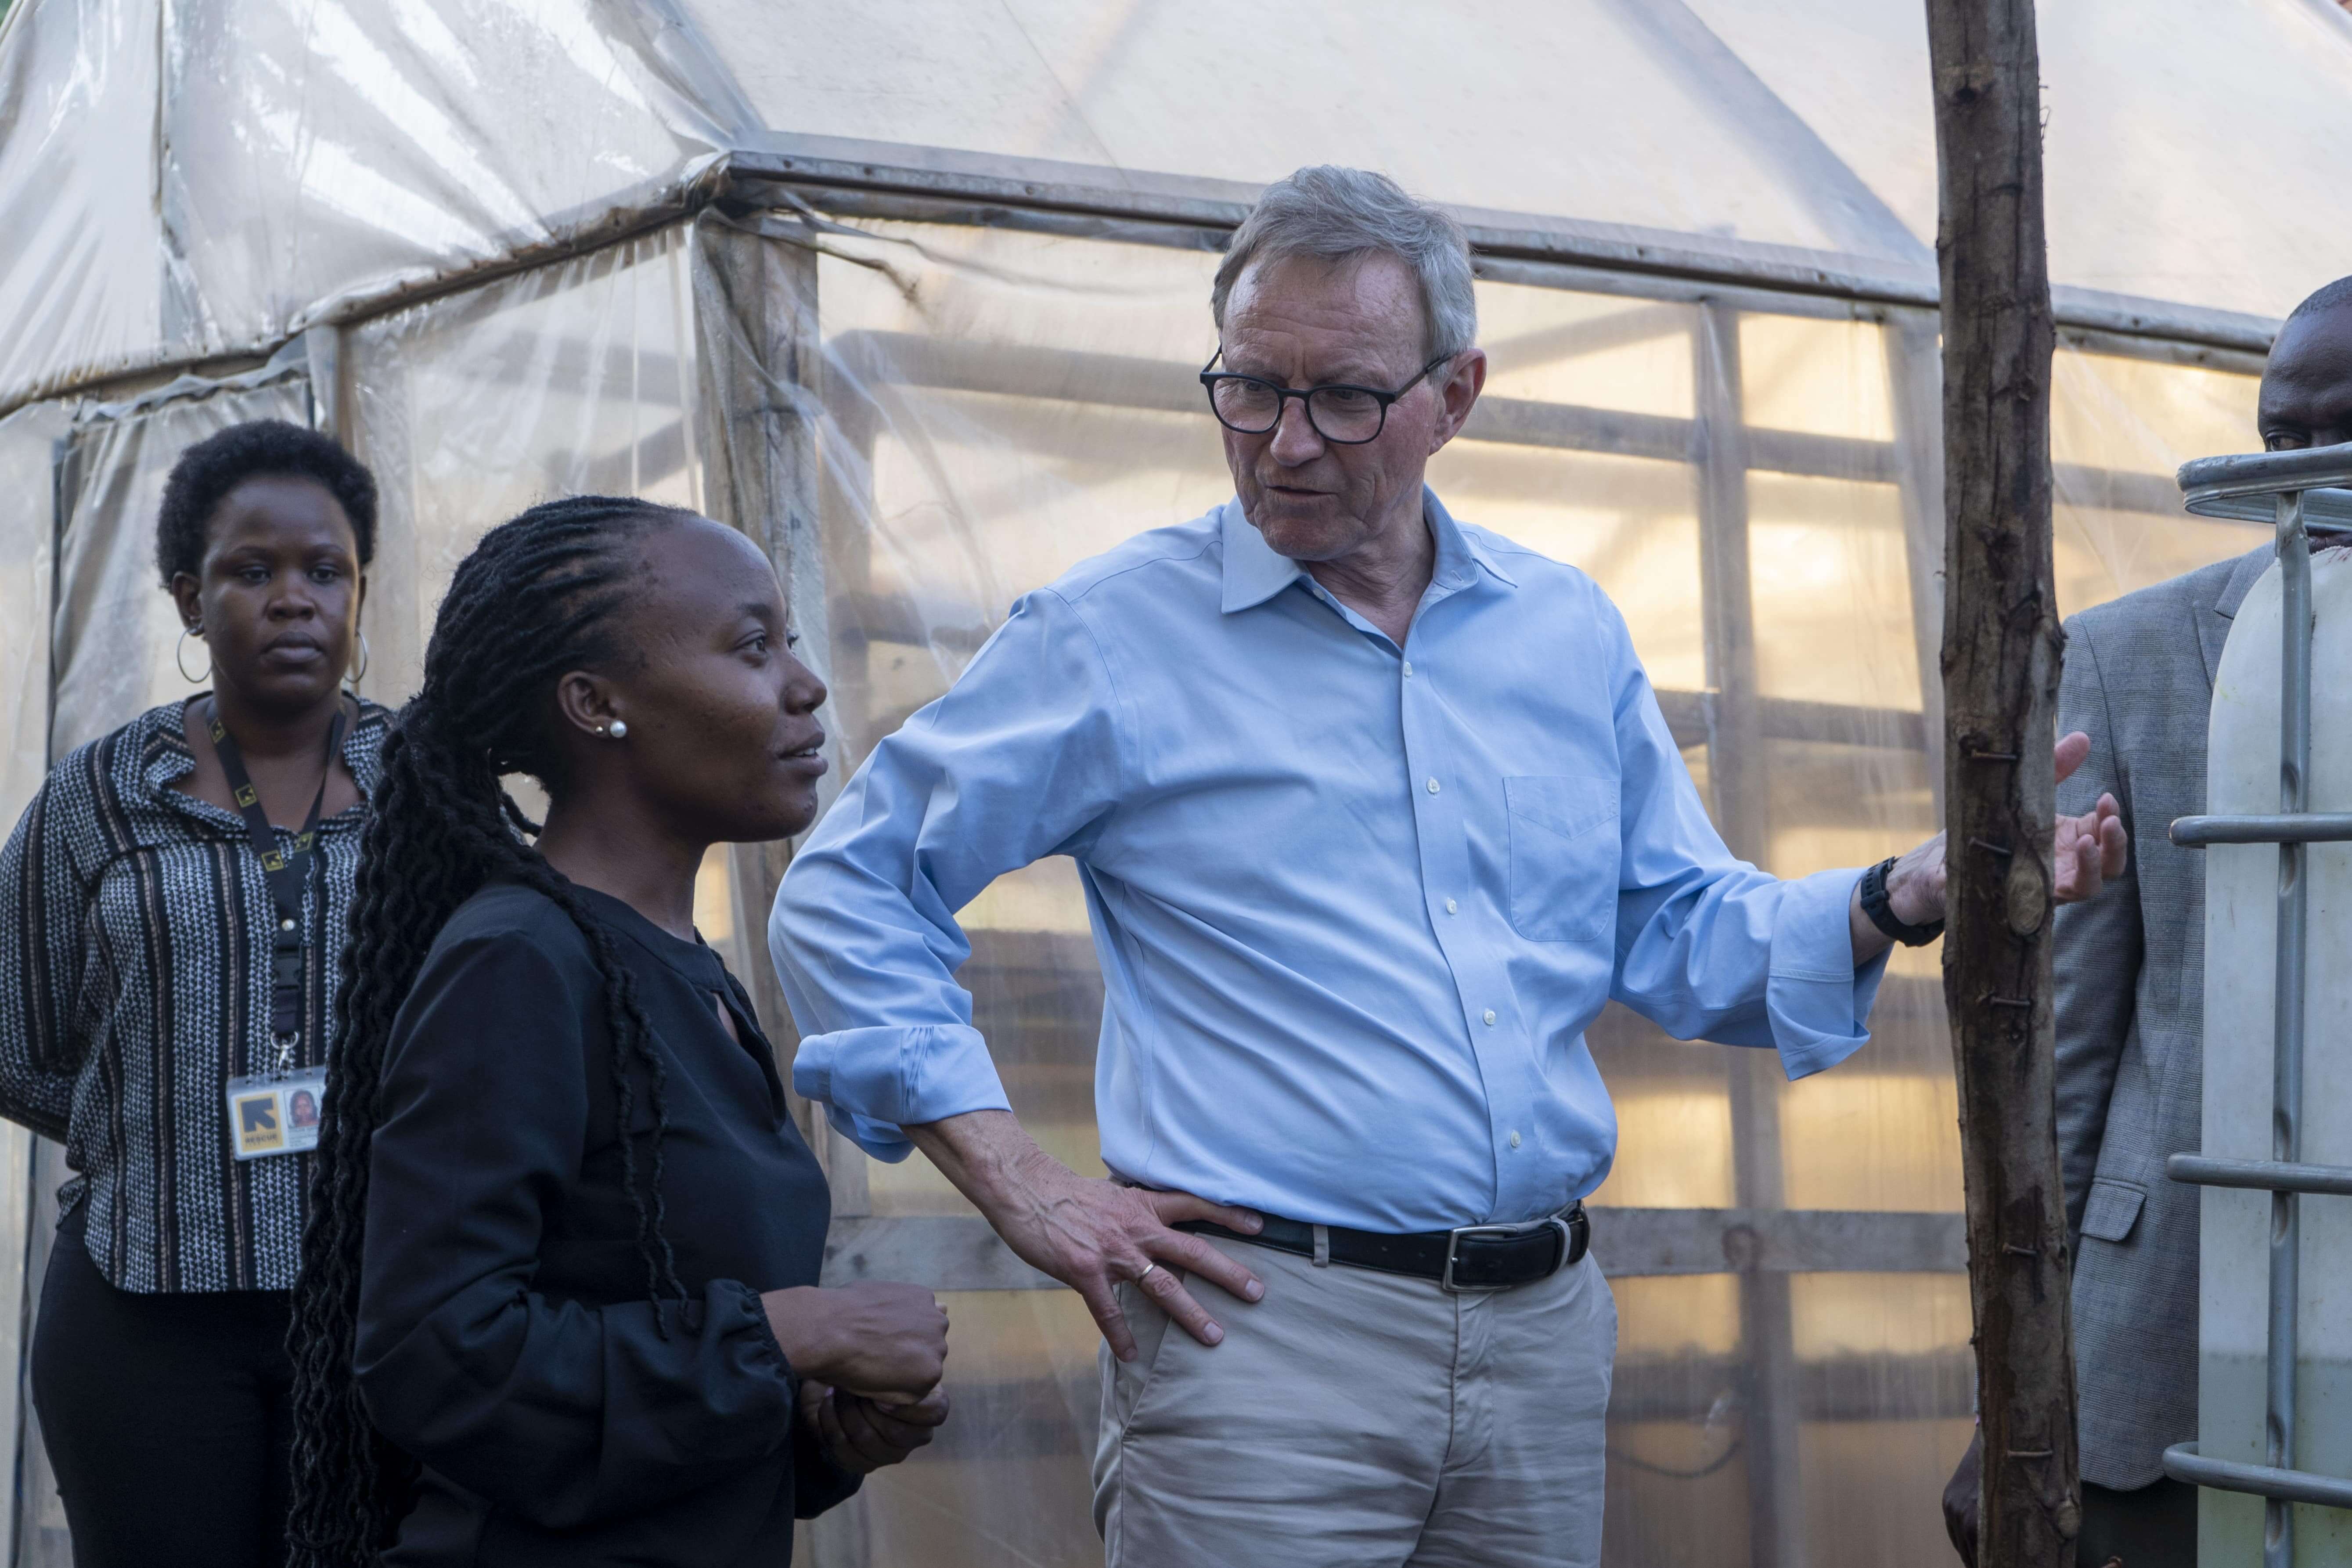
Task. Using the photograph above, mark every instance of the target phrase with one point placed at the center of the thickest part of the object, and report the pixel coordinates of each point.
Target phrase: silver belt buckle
(1504, 1233)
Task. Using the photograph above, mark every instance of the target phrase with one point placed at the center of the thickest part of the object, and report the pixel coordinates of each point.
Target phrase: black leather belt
(1467, 1257)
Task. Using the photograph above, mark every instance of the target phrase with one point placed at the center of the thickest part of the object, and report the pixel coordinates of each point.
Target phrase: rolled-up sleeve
(40, 964)
(1709, 947)
(1021, 759)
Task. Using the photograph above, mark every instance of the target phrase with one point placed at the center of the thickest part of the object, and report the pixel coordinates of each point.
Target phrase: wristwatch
(1875, 905)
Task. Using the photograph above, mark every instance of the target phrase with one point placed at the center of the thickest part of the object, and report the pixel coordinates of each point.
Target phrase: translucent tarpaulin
(114, 652)
(574, 378)
(30, 444)
(997, 406)
(82, 285)
(990, 404)
(2191, 155)
(118, 650)
(182, 181)
(926, 409)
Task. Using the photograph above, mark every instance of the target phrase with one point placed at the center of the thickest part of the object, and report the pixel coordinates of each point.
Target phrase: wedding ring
(1147, 1268)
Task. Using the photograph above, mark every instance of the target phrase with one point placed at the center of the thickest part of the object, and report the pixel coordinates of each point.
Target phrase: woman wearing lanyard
(177, 896)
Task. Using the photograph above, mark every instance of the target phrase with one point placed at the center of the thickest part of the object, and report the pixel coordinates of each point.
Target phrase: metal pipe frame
(2262, 1175)
(2183, 1462)
(2213, 485)
(2286, 1048)
(2305, 827)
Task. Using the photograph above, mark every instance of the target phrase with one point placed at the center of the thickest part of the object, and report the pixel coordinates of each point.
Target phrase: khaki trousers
(1355, 1419)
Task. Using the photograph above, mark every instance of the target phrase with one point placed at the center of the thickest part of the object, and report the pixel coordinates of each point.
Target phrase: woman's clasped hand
(870, 1356)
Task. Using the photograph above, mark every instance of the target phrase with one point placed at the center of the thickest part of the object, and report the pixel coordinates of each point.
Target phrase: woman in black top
(150, 967)
(559, 1300)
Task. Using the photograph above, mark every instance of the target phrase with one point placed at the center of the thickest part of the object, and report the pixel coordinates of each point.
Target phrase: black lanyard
(284, 872)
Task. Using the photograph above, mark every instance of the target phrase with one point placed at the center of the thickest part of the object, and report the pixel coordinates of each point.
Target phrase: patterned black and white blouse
(135, 982)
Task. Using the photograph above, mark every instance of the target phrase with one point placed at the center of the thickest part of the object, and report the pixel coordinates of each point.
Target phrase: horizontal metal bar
(801, 160)
(959, 1252)
(2260, 1175)
(2268, 473)
(2183, 1462)
(2295, 827)
(2246, 485)
(774, 158)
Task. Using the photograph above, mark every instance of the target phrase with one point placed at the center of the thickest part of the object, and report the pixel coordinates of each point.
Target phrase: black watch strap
(1875, 905)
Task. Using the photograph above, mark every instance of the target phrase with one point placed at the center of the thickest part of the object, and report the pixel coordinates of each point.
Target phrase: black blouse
(506, 1338)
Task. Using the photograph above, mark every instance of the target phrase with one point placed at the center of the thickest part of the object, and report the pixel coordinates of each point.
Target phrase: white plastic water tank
(2241, 886)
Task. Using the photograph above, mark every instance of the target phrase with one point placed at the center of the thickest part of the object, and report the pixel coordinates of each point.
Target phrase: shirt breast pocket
(1564, 854)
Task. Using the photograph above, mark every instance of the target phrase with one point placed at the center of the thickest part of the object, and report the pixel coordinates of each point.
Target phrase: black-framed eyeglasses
(1344, 416)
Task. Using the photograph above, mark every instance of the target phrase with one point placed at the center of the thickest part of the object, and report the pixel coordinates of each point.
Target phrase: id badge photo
(277, 1114)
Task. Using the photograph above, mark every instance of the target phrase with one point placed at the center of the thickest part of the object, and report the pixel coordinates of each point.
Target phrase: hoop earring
(356, 676)
(180, 656)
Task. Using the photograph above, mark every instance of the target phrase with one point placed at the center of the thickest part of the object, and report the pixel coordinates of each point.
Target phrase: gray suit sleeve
(2099, 943)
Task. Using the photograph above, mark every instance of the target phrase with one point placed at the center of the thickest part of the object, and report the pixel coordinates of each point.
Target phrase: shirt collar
(1254, 572)
(166, 759)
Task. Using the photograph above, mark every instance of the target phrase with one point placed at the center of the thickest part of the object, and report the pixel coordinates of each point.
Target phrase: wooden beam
(2000, 657)
(754, 429)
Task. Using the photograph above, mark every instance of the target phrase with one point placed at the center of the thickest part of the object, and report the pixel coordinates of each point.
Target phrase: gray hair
(1333, 214)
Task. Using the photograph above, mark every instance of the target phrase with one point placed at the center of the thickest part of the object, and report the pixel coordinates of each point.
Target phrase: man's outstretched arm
(2087, 852)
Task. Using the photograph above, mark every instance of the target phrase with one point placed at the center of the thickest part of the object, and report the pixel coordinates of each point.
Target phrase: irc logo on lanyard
(278, 1113)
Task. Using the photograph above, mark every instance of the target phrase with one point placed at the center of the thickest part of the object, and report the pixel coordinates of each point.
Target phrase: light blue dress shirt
(1355, 904)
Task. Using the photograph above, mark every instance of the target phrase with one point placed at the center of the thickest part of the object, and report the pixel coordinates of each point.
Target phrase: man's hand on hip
(1087, 1233)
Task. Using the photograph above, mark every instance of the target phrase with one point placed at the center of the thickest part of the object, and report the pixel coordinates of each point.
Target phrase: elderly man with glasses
(1374, 810)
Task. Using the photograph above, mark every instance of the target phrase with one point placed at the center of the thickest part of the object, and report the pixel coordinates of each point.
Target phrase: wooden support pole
(2002, 643)
(756, 355)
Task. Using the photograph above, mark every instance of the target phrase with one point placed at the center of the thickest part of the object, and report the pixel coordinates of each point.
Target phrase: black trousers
(168, 1418)
(2153, 1527)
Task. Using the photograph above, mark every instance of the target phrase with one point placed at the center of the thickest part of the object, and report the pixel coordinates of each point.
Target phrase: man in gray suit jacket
(2139, 679)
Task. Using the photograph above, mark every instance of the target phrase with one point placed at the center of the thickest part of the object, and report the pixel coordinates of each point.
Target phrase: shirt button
(1515, 1140)
(1433, 786)
(285, 925)
(1452, 908)
(1408, 670)
(1490, 1014)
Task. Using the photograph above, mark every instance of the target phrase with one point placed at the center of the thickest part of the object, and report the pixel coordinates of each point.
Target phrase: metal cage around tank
(2296, 490)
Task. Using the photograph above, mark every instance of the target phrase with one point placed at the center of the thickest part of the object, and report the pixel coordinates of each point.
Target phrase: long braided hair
(539, 596)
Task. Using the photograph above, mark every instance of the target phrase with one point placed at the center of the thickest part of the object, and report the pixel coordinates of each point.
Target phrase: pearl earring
(618, 730)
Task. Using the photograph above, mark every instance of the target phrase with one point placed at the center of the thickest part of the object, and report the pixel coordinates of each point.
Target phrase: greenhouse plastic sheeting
(280, 155)
(184, 180)
(28, 454)
(1753, 477)
(116, 636)
(577, 377)
(995, 405)
(2191, 149)
(81, 272)
(2194, 150)
(29, 442)
(991, 404)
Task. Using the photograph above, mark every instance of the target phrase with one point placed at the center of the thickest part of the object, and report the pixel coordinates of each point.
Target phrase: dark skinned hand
(862, 1435)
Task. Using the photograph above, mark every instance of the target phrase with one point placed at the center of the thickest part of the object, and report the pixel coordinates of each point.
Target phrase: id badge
(276, 1114)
